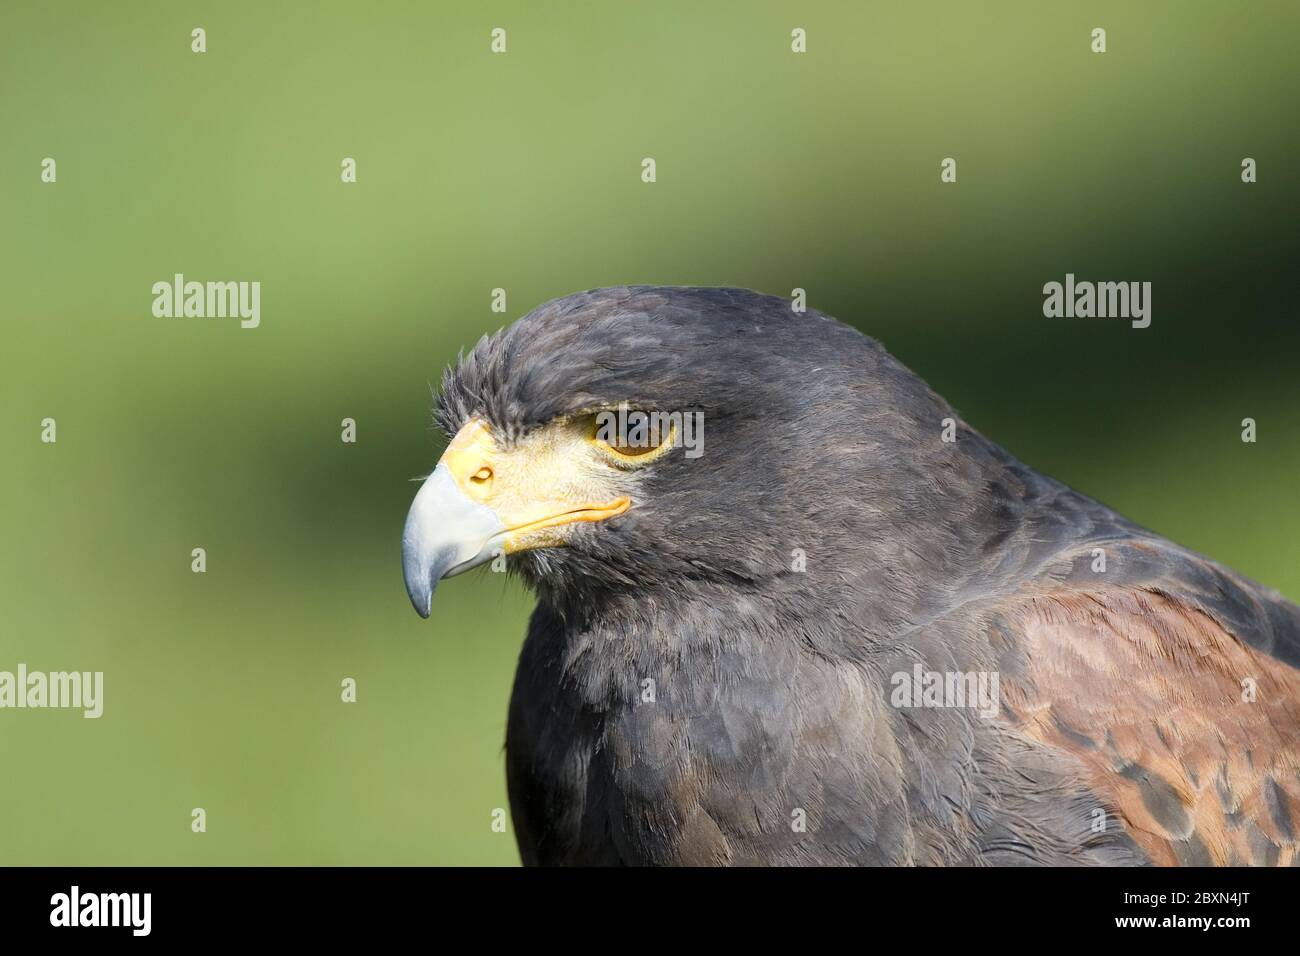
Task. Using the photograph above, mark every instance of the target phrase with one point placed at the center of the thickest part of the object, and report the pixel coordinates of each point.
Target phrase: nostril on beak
(482, 476)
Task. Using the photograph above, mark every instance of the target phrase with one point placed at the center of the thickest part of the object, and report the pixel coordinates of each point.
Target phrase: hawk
(711, 673)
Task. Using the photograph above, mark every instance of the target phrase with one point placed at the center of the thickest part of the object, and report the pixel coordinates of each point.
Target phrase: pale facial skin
(489, 497)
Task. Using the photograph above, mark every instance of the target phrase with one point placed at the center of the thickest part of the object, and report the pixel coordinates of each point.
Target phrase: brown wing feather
(1152, 696)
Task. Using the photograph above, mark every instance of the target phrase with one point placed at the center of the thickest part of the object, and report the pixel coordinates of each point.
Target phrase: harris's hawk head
(768, 421)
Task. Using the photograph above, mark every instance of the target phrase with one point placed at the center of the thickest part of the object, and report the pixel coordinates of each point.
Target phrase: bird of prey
(721, 664)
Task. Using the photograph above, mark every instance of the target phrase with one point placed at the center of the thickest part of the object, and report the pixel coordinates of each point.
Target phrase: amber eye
(635, 445)
(632, 435)
(634, 450)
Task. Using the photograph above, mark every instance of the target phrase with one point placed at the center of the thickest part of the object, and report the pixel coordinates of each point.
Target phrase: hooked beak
(482, 502)
(446, 533)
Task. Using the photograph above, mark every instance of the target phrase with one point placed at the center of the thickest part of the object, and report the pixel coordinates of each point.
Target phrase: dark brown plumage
(1125, 730)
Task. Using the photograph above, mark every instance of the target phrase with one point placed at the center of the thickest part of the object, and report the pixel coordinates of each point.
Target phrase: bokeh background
(522, 171)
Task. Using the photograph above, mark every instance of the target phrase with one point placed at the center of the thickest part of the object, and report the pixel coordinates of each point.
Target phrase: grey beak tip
(420, 585)
(445, 534)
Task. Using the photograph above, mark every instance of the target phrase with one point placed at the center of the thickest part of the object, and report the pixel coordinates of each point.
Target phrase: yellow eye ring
(639, 457)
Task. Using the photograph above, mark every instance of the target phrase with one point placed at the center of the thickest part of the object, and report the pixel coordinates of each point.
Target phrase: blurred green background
(522, 171)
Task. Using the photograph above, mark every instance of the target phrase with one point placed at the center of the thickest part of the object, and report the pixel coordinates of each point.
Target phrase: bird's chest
(650, 789)
(655, 762)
